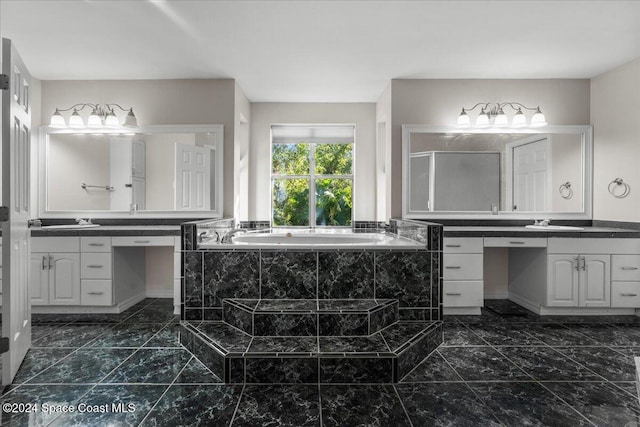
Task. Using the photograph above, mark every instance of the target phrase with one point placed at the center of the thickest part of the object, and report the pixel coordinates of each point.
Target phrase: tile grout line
(406, 413)
(235, 411)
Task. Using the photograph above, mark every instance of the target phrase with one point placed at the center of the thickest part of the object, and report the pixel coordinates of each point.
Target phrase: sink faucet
(81, 221)
(542, 222)
(227, 237)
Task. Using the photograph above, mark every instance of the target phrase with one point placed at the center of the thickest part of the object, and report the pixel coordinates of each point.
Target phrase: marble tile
(281, 405)
(505, 333)
(444, 404)
(72, 335)
(345, 275)
(209, 356)
(457, 334)
(150, 366)
(400, 333)
(405, 276)
(212, 314)
(225, 336)
(343, 324)
(88, 365)
(603, 361)
(40, 330)
(38, 359)
(433, 368)
(420, 348)
(356, 369)
(201, 405)
(600, 402)
(555, 334)
(481, 364)
(152, 314)
(289, 275)
(193, 279)
(136, 401)
(383, 317)
(627, 335)
(419, 314)
(196, 373)
(194, 314)
(283, 345)
(526, 403)
(49, 394)
(373, 343)
(166, 337)
(131, 335)
(286, 305)
(230, 275)
(238, 317)
(281, 370)
(234, 370)
(285, 324)
(547, 364)
(361, 405)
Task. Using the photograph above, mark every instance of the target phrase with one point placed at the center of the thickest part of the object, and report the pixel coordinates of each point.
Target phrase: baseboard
(497, 295)
(584, 311)
(461, 311)
(526, 303)
(76, 309)
(160, 293)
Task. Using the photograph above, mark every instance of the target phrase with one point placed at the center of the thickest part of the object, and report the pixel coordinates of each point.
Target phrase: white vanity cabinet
(463, 285)
(55, 271)
(577, 280)
(625, 281)
(96, 271)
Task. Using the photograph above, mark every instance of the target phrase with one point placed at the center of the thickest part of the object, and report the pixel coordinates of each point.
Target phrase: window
(312, 175)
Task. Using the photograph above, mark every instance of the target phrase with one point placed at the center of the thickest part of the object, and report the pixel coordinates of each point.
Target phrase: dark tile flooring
(130, 369)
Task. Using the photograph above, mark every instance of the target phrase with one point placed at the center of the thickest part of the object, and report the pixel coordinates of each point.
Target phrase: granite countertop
(489, 231)
(109, 230)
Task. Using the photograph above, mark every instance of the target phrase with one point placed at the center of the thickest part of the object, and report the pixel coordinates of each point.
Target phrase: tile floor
(129, 370)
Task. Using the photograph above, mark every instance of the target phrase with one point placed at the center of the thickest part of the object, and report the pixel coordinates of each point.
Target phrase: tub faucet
(227, 237)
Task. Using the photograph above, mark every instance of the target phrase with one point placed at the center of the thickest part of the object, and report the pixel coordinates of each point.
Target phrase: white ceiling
(321, 51)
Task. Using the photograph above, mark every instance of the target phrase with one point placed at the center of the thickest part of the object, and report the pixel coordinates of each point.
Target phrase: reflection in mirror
(137, 172)
(487, 173)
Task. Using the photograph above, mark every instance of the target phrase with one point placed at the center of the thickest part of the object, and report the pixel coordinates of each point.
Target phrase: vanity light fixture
(102, 115)
(493, 113)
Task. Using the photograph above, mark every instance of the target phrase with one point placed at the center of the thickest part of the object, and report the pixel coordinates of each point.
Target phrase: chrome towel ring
(566, 192)
(617, 184)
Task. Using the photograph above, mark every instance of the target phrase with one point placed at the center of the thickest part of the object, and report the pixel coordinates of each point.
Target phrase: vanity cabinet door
(595, 281)
(39, 279)
(64, 279)
(562, 280)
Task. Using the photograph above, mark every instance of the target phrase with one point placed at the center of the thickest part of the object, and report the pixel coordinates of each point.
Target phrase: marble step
(383, 357)
(297, 317)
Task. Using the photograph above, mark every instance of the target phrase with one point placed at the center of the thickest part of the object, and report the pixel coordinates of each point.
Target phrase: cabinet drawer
(515, 242)
(95, 244)
(625, 267)
(55, 244)
(462, 266)
(625, 294)
(462, 293)
(143, 241)
(462, 245)
(95, 266)
(96, 292)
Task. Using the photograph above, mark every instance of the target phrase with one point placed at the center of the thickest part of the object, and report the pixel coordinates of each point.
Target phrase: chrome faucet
(542, 222)
(227, 237)
(81, 221)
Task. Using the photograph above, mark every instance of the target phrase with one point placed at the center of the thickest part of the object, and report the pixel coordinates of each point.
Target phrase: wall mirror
(150, 171)
(497, 173)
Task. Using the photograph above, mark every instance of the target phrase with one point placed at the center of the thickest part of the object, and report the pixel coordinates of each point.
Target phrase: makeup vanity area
(494, 185)
(138, 186)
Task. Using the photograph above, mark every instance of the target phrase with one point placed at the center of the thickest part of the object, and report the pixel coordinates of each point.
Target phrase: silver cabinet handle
(96, 244)
(94, 266)
(629, 268)
(628, 295)
(452, 246)
(516, 243)
(453, 267)
(96, 293)
(454, 294)
(141, 241)
(51, 262)
(577, 261)
(584, 264)
(44, 262)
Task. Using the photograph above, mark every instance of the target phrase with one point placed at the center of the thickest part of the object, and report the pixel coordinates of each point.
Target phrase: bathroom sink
(553, 227)
(69, 226)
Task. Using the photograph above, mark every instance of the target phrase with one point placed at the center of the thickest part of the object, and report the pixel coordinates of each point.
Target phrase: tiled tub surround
(330, 315)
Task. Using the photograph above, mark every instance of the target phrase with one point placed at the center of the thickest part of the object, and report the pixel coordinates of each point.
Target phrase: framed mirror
(497, 173)
(148, 171)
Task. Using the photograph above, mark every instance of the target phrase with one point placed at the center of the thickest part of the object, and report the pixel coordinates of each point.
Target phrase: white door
(120, 172)
(39, 279)
(16, 236)
(562, 280)
(595, 281)
(64, 279)
(530, 164)
(193, 177)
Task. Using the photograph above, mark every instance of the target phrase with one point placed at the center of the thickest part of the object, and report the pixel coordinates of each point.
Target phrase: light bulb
(75, 121)
(501, 119)
(538, 119)
(463, 119)
(519, 120)
(482, 121)
(130, 120)
(57, 121)
(94, 120)
(111, 120)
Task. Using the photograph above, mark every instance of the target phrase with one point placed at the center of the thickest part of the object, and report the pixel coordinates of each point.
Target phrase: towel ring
(619, 183)
(566, 192)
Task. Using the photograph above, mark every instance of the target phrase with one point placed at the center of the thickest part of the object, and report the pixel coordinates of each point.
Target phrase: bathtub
(310, 239)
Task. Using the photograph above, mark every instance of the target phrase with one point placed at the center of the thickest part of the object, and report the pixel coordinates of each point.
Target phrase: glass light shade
(75, 121)
(538, 119)
(463, 119)
(57, 121)
(519, 120)
(130, 120)
(111, 120)
(482, 120)
(94, 120)
(501, 119)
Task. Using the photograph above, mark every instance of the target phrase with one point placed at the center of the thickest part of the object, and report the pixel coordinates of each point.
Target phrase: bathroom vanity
(590, 271)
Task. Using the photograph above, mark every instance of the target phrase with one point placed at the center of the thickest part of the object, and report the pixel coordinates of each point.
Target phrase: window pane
(334, 159)
(333, 201)
(290, 202)
(290, 159)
